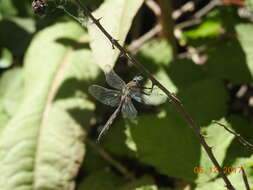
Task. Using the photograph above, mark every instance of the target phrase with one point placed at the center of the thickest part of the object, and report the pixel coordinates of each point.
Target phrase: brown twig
(152, 5)
(245, 179)
(109, 159)
(136, 44)
(167, 24)
(187, 7)
(196, 19)
(173, 98)
(238, 136)
(206, 9)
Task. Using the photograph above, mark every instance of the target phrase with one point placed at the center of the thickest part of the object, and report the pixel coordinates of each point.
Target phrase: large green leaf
(7, 8)
(219, 140)
(208, 29)
(250, 4)
(144, 183)
(156, 55)
(156, 51)
(10, 83)
(42, 145)
(230, 154)
(173, 149)
(165, 142)
(229, 62)
(244, 32)
(6, 59)
(235, 178)
(238, 153)
(205, 100)
(104, 179)
(116, 17)
(20, 31)
(100, 180)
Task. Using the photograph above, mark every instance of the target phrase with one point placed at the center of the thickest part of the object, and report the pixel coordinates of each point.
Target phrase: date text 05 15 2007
(226, 170)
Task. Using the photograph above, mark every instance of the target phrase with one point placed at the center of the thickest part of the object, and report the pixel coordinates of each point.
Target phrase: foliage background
(49, 122)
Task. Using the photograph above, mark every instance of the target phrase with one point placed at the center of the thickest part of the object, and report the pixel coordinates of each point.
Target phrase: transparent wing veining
(105, 96)
(114, 80)
(150, 98)
(128, 108)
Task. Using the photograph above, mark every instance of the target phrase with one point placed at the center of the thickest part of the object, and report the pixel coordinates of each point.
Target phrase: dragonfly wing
(114, 80)
(137, 96)
(105, 96)
(128, 108)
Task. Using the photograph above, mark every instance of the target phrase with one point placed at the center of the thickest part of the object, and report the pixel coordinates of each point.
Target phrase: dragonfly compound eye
(138, 79)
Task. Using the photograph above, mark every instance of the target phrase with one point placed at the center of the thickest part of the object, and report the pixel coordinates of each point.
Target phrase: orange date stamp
(225, 170)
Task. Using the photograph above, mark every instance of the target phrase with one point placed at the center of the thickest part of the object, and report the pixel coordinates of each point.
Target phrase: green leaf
(10, 8)
(244, 128)
(11, 82)
(116, 17)
(205, 100)
(184, 73)
(238, 154)
(156, 51)
(218, 184)
(115, 140)
(156, 55)
(207, 29)
(165, 142)
(221, 62)
(229, 152)
(220, 20)
(27, 24)
(6, 59)
(93, 3)
(11, 93)
(144, 183)
(244, 32)
(42, 145)
(93, 161)
(100, 180)
(7, 8)
(250, 4)
(19, 34)
(219, 140)
(173, 149)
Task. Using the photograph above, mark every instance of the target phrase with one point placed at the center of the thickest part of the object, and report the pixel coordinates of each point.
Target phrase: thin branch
(167, 24)
(239, 3)
(187, 7)
(245, 179)
(197, 17)
(238, 136)
(152, 5)
(188, 23)
(206, 9)
(190, 54)
(136, 44)
(173, 98)
(109, 159)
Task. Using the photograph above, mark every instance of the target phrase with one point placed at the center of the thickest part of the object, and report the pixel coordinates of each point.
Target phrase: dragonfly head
(138, 80)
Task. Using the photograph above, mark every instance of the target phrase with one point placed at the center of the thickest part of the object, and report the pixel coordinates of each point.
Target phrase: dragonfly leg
(146, 93)
(149, 88)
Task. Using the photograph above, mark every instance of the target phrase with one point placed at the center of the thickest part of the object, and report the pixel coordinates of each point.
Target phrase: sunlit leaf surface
(116, 17)
(33, 144)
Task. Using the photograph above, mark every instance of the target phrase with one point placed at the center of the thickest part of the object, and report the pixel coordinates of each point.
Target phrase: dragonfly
(121, 96)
